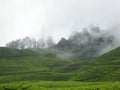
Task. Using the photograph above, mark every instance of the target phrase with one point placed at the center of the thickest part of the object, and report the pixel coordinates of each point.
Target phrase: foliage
(58, 85)
(15, 67)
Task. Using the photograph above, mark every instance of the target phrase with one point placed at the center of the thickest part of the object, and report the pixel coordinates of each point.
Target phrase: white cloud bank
(20, 18)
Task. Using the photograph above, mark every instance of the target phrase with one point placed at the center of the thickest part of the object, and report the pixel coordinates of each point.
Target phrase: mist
(56, 18)
(88, 43)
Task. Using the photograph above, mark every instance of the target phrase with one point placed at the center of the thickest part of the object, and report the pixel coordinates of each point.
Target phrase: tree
(14, 44)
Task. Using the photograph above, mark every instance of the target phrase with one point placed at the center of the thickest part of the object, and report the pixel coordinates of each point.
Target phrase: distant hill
(86, 44)
(11, 52)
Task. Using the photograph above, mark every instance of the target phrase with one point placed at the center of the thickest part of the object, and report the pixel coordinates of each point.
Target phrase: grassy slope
(29, 66)
(104, 68)
(20, 65)
(110, 57)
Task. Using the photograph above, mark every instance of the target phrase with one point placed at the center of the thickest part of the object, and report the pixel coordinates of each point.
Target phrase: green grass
(26, 66)
(10, 52)
(32, 68)
(60, 85)
(108, 57)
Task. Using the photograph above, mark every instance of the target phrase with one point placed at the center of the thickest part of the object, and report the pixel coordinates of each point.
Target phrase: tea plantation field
(60, 85)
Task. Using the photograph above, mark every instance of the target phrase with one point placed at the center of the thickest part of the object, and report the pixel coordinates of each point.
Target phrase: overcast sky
(58, 18)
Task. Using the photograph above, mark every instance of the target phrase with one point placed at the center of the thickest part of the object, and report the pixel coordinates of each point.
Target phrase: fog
(56, 18)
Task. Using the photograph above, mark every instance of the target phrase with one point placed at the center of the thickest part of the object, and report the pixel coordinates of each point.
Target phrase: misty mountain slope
(31, 43)
(87, 44)
(111, 57)
(103, 68)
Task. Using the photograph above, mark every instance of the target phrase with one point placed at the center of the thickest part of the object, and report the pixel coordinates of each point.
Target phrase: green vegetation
(109, 58)
(26, 69)
(60, 85)
(32, 66)
(103, 68)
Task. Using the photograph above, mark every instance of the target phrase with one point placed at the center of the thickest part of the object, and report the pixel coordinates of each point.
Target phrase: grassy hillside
(103, 68)
(27, 65)
(20, 65)
(112, 57)
(31, 68)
